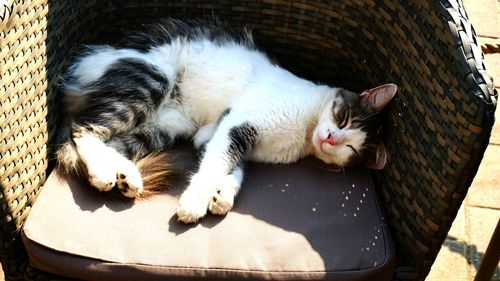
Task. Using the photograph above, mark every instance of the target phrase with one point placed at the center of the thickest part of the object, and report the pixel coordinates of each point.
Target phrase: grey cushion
(301, 221)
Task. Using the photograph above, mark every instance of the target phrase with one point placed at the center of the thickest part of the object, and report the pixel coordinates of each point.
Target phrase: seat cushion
(306, 221)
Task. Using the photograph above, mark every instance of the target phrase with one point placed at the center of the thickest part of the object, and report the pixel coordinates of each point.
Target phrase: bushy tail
(157, 171)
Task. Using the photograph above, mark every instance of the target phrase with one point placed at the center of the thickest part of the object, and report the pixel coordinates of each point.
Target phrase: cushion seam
(199, 268)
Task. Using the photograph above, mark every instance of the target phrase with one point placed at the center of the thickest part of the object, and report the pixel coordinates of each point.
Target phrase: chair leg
(491, 257)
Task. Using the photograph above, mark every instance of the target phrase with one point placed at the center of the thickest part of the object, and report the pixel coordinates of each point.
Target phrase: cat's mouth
(328, 142)
(324, 143)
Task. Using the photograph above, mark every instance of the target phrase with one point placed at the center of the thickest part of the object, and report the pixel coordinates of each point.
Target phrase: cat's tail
(158, 173)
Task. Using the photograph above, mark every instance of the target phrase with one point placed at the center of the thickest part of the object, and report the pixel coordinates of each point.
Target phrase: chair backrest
(436, 129)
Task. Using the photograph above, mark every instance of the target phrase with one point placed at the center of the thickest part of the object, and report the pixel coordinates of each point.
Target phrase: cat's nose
(331, 140)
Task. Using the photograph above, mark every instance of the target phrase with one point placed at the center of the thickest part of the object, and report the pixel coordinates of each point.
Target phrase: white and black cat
(197, 80)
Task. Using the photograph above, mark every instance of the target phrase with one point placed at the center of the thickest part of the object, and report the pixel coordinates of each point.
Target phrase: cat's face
(346, 132)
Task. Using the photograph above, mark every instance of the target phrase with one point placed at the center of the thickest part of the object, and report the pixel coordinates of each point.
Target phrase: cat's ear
(375, 99)
(378, 159)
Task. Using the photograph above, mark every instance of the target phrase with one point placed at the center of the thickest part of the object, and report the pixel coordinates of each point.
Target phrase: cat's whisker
(354, 150)
(368, 116)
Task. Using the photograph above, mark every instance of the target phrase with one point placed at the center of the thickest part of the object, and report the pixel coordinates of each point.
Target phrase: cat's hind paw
(107, 168)
(128, 178)
(101, 175)
(102, 179)
(129, 181)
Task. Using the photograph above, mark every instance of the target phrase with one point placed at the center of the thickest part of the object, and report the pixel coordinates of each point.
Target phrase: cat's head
(347, 128)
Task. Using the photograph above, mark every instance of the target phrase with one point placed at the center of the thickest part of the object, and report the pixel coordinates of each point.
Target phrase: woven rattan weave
(436, 129)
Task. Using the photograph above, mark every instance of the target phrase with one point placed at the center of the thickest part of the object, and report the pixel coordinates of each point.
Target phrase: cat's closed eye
(342, 117)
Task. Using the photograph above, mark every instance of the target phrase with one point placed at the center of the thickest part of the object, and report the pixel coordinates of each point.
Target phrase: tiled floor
(468, 238)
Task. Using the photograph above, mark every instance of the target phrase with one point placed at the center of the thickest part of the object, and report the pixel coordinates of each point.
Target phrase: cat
(203, 81)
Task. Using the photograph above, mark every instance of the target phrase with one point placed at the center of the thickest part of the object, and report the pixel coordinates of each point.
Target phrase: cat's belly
(278, 149)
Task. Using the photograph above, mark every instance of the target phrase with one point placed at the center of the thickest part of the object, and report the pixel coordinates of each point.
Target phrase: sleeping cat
(197, 80)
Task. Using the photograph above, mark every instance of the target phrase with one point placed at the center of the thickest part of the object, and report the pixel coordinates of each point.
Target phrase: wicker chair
(437, 129)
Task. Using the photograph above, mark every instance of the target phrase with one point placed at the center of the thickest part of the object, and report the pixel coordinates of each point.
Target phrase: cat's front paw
(193, 203)
(221, 203)
(223, 198)
(208, 192)
(191, 210)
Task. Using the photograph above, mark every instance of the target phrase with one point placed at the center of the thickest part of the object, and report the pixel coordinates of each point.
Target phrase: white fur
(203, 135)
(290, 114)
(107, 168)
(279, 103)
(91, 150)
